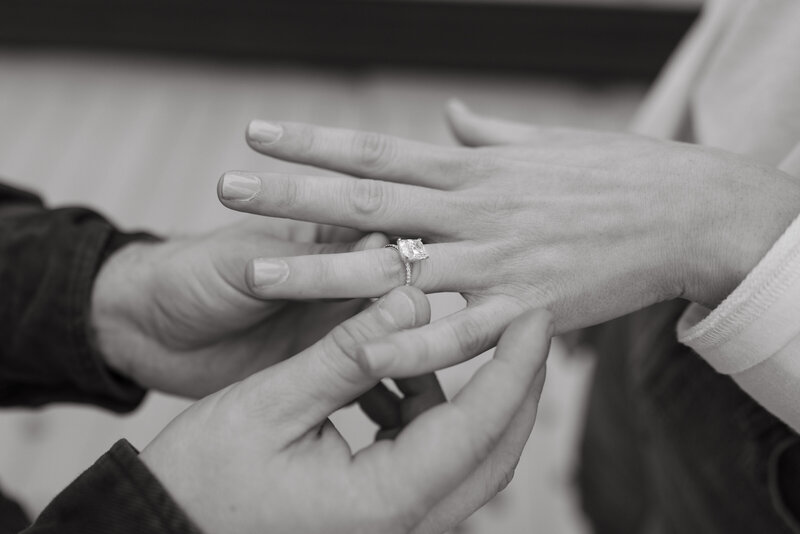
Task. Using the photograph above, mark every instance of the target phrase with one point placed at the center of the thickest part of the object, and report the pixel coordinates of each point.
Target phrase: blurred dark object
(585, 41)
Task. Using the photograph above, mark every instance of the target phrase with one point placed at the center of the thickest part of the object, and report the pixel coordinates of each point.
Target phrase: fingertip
(405, 307)
(457, 106)
(528, 333)
(539, 320)
(261, 134)
(220, 185)
(264, 274)
(461, 123)
(422, 306)
(374, 240)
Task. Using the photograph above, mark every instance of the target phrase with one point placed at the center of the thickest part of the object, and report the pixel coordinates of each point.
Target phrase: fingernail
(398, 309)
(375, 358)
(240, 186)
(264, 132)
(268, 272)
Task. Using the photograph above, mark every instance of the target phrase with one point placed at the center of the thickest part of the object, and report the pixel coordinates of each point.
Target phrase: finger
(493, 475)
(391, 412)
(474, 130)
(382, 406)
(437, 451)
(366, 273)
(305, 389)
(374, 240)
(448, 341)
(234, 257)
(363, 154)
(421, 393)
(338, 200)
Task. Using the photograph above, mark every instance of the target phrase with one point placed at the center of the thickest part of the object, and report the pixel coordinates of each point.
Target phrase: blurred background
(135, 108)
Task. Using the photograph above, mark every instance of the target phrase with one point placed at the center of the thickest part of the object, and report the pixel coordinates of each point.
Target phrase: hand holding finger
(457, 437)
(327, 375)
(369, 272)
(491, 476)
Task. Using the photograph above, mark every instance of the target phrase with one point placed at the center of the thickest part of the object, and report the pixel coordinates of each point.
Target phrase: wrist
(740, 236)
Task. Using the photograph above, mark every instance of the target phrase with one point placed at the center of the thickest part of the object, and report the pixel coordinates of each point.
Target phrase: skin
(590, 225)
(177, 316)
(262, 456)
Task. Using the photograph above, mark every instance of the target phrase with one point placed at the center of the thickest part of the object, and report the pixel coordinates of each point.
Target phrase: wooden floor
(145, 139)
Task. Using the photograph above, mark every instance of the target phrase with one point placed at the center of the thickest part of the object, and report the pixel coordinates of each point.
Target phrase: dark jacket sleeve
(117, 495)
(48, 261)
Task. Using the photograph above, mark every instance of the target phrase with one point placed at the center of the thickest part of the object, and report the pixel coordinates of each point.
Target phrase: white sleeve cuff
(758, 319)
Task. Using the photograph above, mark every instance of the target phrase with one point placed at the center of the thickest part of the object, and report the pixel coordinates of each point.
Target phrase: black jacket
(48, 261)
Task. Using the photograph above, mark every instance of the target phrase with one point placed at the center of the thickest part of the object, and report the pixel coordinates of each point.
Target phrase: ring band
(411, 251)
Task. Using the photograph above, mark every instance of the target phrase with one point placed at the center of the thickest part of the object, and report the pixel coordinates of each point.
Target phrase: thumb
(474, 130)
(305, 389)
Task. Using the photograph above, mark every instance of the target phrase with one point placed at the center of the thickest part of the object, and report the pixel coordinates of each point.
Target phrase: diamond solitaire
(412, 250)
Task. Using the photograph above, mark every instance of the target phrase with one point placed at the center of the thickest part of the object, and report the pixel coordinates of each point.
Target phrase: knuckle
(348, 336)
(373, 151)
(306, 140)
(368, 197)
(340, 360)
(471, 335)
(285, 192)
(477, 163)
(505, 480)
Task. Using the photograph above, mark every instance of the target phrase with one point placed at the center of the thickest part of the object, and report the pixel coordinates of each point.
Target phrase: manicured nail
(398, 309)
(263, 132)
(240, 186)
(268, 272)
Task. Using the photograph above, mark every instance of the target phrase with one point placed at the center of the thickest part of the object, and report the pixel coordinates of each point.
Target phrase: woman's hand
(261, 455)
(590, 225)
(179, 317)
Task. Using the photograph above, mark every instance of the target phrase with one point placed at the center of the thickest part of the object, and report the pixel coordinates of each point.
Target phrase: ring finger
(365, 273)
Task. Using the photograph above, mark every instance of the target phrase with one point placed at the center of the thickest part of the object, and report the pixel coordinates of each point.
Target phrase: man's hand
(590, 225)
(178, 316)
(262, 456)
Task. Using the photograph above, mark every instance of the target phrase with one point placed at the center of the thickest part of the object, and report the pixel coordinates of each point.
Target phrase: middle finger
(340, 200)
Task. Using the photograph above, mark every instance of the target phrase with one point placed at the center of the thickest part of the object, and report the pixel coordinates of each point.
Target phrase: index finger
(362, 154)
(440, 448)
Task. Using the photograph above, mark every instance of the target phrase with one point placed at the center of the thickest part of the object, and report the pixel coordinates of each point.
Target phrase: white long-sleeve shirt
(735, 85)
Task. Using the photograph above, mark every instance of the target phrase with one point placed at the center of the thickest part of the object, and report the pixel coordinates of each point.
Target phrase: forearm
(48, 262)
(117, 494)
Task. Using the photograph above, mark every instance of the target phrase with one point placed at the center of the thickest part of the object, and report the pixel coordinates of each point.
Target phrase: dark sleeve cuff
(48, 263)
(118, 494)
